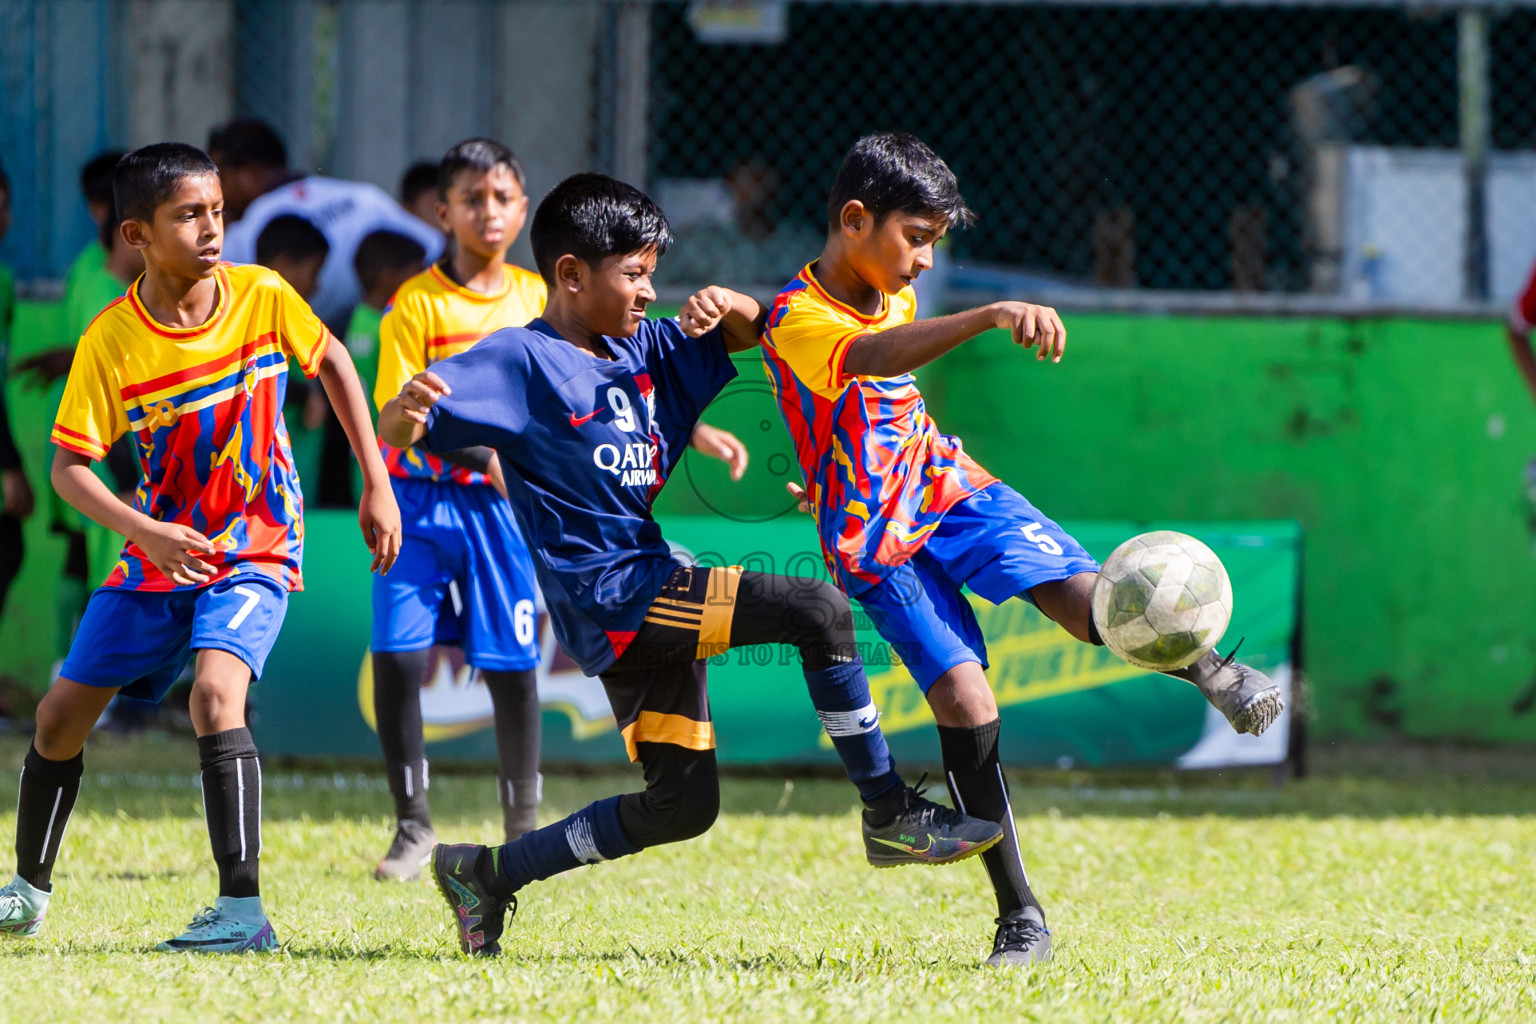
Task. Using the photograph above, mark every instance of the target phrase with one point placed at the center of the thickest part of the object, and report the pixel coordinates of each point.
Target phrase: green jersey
(362, 343)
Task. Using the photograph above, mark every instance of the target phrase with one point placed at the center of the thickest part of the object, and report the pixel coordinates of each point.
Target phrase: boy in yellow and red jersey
(906, 518)
(193, 362)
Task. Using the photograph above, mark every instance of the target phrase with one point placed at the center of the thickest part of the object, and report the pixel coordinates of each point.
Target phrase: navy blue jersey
(587, 443)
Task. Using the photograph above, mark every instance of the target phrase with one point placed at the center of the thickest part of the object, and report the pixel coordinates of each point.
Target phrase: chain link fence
(1350, 154)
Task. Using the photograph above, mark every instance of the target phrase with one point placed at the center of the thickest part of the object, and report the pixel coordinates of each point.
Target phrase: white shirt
(345, 212)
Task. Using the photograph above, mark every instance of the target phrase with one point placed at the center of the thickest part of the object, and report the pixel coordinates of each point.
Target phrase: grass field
(1393, 885)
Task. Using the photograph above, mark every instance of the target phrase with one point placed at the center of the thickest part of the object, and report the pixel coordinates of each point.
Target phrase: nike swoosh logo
(577, 421)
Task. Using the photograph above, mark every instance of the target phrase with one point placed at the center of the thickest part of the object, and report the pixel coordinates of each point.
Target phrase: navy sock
(840, 694)
(590, 835)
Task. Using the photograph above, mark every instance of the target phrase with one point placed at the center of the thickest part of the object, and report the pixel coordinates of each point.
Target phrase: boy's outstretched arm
(403, 420)
(377, 513)
(172, 547)
(741, 315)
(899, 350)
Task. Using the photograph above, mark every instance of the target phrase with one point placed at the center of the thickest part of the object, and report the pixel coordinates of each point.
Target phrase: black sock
(48, 791)
(978, 788)
(515, 698)
(232, 805)
(397, 680)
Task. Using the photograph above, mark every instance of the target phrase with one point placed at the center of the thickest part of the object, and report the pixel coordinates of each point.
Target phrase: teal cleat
(22, 909)
(229, 926)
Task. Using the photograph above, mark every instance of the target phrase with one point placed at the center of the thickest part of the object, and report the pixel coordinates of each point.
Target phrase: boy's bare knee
(1069, 603)
(961, 697)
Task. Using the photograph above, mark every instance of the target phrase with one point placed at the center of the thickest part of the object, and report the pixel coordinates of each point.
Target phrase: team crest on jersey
(248, 377)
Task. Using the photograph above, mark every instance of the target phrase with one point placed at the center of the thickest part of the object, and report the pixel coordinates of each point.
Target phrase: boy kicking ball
(589, 408)
(906, 517)
(193, 360)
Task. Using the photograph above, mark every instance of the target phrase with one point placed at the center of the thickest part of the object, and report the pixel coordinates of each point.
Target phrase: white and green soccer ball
(1162, 600)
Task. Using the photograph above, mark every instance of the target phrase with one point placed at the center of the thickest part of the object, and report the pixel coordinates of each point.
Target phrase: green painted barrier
(1064, 702)
(1399, 445)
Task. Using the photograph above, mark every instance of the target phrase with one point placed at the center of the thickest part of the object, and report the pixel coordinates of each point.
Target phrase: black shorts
(657, 688)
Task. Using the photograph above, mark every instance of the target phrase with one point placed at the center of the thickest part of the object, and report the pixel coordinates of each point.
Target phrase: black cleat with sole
(1022, 939)
(925, 832)
(478, 915)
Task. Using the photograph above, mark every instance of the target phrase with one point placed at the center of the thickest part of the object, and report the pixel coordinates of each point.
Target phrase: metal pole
(631, 91)
(1472, 78)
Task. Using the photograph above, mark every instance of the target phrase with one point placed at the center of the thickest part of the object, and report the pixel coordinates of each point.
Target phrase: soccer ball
(1162, 600)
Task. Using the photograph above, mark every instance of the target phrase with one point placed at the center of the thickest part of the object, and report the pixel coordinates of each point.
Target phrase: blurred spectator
(15, 492)
(296, 250)
(258, 186)
(96, 186)
(99, 276)
(418, 193)
(385, 260)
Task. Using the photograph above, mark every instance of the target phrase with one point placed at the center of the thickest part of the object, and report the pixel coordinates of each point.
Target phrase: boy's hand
(379, 517)
(798, 493)
(704, 310)
(722, 445)
(421, 393)
(1032, 325)
(173, 549)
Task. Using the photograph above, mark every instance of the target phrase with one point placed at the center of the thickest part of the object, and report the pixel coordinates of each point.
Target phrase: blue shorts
(140, 640)
(464, 577)
(994, 543)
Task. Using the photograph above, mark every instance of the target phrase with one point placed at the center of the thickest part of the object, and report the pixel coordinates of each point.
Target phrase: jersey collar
(809, 276)
(220, 275)
(474, 296)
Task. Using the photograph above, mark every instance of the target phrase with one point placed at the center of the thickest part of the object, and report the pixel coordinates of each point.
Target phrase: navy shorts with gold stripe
(657, 688)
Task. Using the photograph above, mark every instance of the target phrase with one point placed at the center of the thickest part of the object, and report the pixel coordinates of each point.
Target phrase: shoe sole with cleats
(1259, 711)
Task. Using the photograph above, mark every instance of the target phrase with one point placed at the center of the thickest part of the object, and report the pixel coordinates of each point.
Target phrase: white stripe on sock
(240, 803)
(257, 763)
(850, 723)
(410, 791)
(1013, 834)
(48, 835)
(955, 792)
(453, 592)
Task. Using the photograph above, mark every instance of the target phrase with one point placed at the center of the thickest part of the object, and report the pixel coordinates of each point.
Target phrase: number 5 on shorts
(251, 597)
(1040, 540)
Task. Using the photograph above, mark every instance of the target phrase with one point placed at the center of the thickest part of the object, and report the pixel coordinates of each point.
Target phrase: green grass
(1394, 885)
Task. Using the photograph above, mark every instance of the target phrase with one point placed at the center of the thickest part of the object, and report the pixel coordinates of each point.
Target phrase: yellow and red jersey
(431, 318)
(878, 473)
(205, 408)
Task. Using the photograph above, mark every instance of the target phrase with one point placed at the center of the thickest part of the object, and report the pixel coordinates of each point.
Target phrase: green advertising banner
(1064, 703)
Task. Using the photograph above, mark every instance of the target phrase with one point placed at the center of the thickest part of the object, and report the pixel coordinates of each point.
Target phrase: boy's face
(610, 297)
(889, 253)
(302, 275)
(484, 211)
(186, 236)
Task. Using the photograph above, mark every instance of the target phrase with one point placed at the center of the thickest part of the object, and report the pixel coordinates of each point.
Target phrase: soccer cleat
(479, 916)
(1022, 938)
(22, 909)
(408, 854)
(927, 833)
(229, 926)
(1250, 699)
